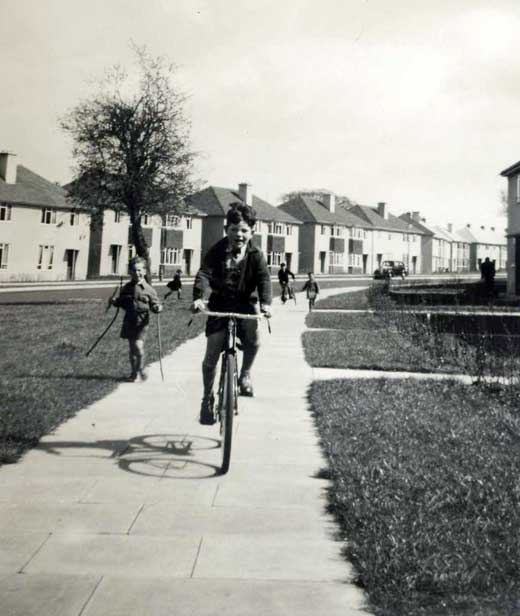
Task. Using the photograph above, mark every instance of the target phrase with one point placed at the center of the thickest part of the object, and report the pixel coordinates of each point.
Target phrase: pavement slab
(122, 510)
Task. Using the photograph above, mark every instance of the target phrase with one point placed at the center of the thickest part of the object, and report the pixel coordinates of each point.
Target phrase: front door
(323, 257)
(187, 262)
(71, 257)
(365, 263)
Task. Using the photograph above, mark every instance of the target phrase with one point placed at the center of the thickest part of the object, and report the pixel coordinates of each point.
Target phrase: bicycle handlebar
(234, 315)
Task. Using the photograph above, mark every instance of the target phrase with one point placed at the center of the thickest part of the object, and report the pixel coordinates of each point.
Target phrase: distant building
(276, 232)
(331, 237)
(485, 242)
(42, 237)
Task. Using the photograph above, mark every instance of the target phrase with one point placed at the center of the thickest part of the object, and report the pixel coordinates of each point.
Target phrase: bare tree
(316, 193)
(131, 146)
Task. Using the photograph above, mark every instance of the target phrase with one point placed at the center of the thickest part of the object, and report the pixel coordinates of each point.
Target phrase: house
(276, 232)
(512, 174)
(174, 242)
(331, 237)
(42, 237)
(389, 237)
(485, 242)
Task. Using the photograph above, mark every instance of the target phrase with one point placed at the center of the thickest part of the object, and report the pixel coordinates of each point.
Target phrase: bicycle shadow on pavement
(163, 456)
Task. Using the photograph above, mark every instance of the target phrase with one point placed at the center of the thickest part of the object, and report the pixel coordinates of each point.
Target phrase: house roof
(419, 226)
(308, 209)
(483, 235)
(370, 215)
(216, 201)
(32, 189)
(512, 170)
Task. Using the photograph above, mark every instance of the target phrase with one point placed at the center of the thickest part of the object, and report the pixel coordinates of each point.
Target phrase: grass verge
(425, 487)
(45, 376)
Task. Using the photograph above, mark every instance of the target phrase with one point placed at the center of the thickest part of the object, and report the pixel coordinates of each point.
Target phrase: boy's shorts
(135, 327)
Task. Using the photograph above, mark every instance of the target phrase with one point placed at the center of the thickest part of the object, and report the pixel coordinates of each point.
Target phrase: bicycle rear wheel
(228, 401)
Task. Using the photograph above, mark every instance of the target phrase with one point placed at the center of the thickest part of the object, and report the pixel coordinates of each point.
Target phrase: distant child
(313, 290)
(283, 278)
(175, 285)
(137, 298)
(234, 269)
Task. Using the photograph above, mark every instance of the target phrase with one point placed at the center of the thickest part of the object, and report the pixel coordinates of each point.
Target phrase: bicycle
(227, 398)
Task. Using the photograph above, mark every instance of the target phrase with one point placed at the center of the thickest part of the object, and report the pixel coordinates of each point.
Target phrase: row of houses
(43, 237)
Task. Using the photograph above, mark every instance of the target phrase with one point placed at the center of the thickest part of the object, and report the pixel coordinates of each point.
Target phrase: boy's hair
(132, 264)
(310, 273)
(179, 271)
(282, 264)
(238, 212)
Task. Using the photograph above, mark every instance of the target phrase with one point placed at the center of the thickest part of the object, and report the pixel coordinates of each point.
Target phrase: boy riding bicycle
(234, 269)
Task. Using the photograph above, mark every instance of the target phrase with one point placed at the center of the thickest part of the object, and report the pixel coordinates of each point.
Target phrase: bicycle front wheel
(228, 401)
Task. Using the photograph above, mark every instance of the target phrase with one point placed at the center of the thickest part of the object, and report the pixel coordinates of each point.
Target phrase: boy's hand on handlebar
(198, 306)
(266, 311)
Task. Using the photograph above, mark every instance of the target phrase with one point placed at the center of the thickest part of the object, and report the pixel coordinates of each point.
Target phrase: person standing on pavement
(312, 289)
(137, 298)
(235, 271)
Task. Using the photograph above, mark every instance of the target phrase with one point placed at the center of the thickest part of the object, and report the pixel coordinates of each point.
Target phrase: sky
(411, 102)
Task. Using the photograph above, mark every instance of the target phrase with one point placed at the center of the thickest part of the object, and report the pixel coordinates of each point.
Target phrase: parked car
(389, 269)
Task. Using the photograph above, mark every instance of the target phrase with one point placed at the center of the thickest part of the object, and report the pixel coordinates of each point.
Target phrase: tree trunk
(140, 244)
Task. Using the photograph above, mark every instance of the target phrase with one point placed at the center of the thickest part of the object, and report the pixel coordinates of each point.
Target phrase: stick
(160, 344)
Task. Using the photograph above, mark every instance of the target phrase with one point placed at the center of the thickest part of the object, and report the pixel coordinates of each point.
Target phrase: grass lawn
(425, 487)
(45, 376)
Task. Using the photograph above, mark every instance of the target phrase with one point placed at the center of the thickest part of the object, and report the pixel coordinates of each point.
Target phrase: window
(172, 220)
(5, 212)
(274, 258)
(117, 216)
(336, 258)
(189, 222)
(288, 229)
(335, 231)
(146, 220)
(4, 253)
(74, 219)
(131, 252)
(171, 256)
(323, 230)
(48, 216)
(45, 256)
(389, 236)
(275, 228)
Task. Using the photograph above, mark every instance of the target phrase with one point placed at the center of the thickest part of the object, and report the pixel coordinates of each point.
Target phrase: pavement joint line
(132, 524)
(89, 598)
(196, 557)
(21, 570)
(213, 500)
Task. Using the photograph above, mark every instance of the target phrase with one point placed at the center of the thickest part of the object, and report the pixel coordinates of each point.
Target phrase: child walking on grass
(175, 285)
(137, 298)
(234, 269)
(313, 290)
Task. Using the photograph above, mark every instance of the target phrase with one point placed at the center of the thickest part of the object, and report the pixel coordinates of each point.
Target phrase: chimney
(381, 209)
(329, 201)
(8, 167)
(416, 216)
(245, 193)
(450, 227)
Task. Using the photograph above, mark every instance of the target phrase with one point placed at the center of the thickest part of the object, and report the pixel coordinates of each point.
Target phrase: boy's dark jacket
(254, 275)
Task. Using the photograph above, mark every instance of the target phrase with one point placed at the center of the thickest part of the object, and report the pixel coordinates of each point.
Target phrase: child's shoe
(144, 375)
(132, 378)
(245, 386)
(207, 416)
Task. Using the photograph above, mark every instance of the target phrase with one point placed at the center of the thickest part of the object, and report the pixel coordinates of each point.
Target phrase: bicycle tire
(228, 401)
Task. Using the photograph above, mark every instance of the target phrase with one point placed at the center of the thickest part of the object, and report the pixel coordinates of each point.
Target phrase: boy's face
(138, 272)
(239, 234)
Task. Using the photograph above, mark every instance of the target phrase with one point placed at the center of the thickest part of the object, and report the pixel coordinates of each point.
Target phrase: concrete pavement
(121, 510)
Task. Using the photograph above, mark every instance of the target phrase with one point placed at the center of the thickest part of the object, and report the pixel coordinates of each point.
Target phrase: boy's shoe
(132, 378)
(144, 375)
(207, 416)
(245, 386)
